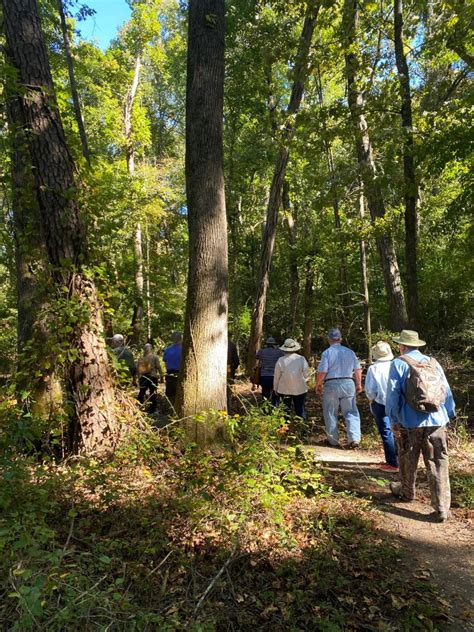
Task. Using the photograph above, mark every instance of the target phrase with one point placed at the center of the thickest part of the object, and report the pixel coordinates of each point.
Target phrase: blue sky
(110, 14)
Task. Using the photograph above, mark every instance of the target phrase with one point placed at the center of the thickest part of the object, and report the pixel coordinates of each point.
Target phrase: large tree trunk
(344, 287)
(274, 200)
(137, 318)
(73, 84)
(364, 278)
(368, 171)
(203, 380)
(34, 371)
(411, 185)
(308, 308)
(89, 381)
(293, 260)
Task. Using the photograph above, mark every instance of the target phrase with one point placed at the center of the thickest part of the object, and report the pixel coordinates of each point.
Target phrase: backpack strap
(414, 363)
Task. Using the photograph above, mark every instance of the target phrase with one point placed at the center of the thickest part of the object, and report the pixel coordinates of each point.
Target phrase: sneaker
(396, 489)
(441, 516)
(354, 445)
(388, 468)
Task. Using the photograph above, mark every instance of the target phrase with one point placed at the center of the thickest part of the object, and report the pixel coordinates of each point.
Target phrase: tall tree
(409, 174)
(72, 82)
(368, 170)
(90, 386)
(202, 384)
(300, 72)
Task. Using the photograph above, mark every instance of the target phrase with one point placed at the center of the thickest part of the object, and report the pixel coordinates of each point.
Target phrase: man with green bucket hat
(420, 404)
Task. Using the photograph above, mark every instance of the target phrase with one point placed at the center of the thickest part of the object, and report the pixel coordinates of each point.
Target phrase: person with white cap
(376, 390)
(420, 405)
(267, 359)
(290, 379)
(340, 373)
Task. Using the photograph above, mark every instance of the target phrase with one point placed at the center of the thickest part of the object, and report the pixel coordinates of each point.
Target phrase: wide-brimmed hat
(270, 341)
(334, 334)
(290, 345)
(382, 351)
(409, 338)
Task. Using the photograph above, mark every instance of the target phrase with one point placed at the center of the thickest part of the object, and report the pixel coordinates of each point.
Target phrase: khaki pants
(432, 443)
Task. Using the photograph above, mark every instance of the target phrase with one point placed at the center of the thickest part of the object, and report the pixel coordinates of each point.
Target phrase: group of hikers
(410, 398)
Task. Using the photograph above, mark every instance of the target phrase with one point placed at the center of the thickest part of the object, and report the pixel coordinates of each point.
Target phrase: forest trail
(442, 552)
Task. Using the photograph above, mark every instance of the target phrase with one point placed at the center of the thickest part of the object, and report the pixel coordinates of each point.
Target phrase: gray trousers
(432, 443)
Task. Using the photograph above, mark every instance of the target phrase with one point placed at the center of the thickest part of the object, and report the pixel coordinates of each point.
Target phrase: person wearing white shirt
(290, 379)
(376, 383)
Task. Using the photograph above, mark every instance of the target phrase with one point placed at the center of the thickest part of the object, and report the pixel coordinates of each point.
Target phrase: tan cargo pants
(432, 443)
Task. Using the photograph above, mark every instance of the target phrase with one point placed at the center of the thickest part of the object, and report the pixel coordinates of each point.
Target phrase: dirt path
(442, 552)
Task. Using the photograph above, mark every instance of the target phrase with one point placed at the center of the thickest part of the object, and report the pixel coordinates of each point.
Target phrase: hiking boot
(396, 489)
(354, 445)
(386, 467)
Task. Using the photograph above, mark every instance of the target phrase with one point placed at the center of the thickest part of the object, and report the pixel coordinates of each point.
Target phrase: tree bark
(365, 279)
(72, 83)
(137, 318)
(203, 379)
(89, 382)
(344, 287)
(368, 172)
(308, 308)
(281, 163)
(34, 371)
(293, 259)
(409, 174)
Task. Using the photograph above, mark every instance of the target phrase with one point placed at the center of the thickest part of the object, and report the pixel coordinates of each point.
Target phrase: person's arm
(276, 376)
(358, 380)
(393, 404)
(449, 401)
(370, 385)
(320, 377)
(305, 369)
(323, 368)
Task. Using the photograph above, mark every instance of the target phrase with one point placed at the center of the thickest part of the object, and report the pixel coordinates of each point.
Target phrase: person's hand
(359, 389)
(319, 389)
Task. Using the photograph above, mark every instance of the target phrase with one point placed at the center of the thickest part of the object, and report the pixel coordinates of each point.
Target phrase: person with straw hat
(420, 405)
(290, 379)
(376, 390)
(340, 372)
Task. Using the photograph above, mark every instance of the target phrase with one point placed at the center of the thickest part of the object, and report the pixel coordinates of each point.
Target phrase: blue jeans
(298, 403)
(341, 393)
(385, 431)
(266, 382)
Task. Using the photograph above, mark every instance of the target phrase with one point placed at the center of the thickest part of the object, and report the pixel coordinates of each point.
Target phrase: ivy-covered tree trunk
(90, 386)
(34, 375)
(300, 72)
(368, 172)
(203, 379)
(411, 185)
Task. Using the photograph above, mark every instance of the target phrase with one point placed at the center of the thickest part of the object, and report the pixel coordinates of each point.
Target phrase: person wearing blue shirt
(376, 382)
(417, 431)
(339, 370)
(172, 359)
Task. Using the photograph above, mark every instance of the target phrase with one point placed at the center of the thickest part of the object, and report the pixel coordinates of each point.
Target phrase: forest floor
(264, 532)
(443, 552)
